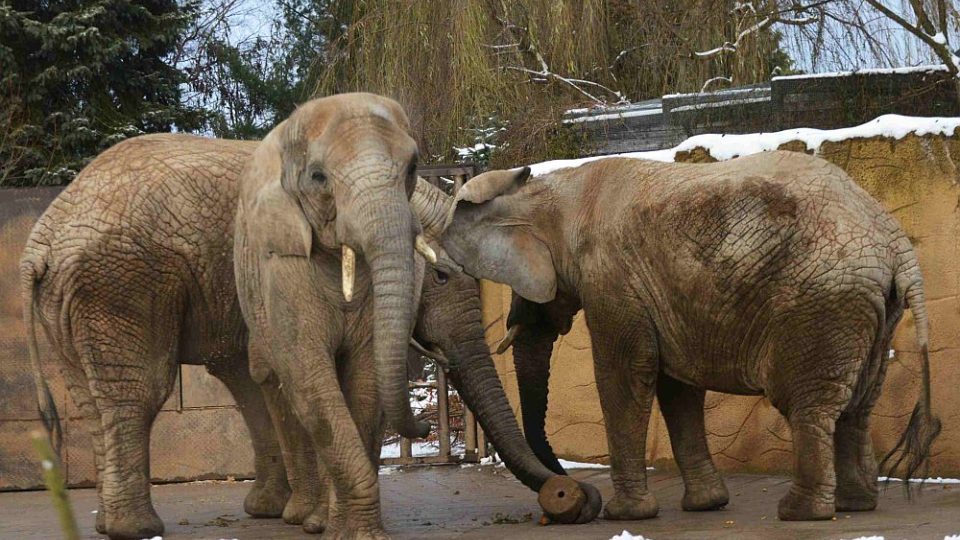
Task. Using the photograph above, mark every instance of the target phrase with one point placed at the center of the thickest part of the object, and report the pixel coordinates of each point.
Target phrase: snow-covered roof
(871, 71)
(723, 147)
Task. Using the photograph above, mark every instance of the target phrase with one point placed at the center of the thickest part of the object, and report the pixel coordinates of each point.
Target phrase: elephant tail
(31, 272)
(913, 449)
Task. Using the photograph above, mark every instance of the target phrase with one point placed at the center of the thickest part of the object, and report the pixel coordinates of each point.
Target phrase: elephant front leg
(319, 403)
(307, 483)
(682, 408)
(271, 491)
(626, 374)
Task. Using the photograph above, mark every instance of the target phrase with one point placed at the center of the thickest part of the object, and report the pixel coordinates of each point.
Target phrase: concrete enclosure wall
(916, 178)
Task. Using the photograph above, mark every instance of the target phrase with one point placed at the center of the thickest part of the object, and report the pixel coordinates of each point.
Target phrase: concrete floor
(487, 502)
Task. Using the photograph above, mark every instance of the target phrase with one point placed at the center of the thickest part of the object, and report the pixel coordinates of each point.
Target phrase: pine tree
(77, 76)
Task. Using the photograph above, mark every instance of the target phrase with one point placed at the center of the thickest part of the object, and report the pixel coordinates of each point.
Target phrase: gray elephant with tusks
(130, 271)
(773, 275)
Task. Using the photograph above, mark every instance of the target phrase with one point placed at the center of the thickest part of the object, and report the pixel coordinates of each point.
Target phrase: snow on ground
(868, 538)
(937, 480)
(723, 147)
(420, 448)
(952, 537)
(578, 465)
(627, 535)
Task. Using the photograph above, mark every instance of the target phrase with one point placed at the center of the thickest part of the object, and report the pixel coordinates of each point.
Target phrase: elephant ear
(489, 232)
(281, 227)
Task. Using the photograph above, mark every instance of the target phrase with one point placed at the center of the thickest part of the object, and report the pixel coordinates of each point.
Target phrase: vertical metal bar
(469, 434)
(481, 444)
(443, 410)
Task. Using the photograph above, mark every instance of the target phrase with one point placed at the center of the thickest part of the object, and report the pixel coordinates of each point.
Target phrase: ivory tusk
(436, 356)
(349, 270)
(507, 340)
(424, 249)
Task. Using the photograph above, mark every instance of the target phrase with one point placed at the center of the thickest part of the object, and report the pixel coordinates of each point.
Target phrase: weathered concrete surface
(450, 502)
(917, 180)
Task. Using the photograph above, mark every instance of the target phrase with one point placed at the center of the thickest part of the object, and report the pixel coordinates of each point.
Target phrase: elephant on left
(127, 281)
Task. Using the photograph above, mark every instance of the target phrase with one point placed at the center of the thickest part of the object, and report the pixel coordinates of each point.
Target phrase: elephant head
(450, 326)
(336, 177)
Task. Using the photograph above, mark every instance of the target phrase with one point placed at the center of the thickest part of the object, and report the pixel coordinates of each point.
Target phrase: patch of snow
(578, 465)
(419, 448)
(93, 511)
(46, 464)
(729, 91)
(611, 116)
(939, 38)
(716, 104)
(387, 470)
(871, 71)
(937, 480)
(627, 535)
(867, 538)
(894, 126)
(154, 538)
(952, 537)
(723, 147)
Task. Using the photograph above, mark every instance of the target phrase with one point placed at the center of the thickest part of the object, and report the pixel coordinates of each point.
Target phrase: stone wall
(916, 178)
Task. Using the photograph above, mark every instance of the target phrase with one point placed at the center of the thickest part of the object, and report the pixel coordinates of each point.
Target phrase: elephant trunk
(388, 245)
(473, 372)
(531, 358)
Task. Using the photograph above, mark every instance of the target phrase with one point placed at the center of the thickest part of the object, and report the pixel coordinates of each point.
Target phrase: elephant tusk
(424, 249)
(507, 340)
(348, 269)
(436, 356)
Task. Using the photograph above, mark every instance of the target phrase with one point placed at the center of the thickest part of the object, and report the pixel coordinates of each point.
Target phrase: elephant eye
(442, 277)
(318, 177)
(412, 168)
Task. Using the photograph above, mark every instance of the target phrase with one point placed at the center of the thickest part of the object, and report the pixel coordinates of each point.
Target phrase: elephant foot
(125, 524)
(360, 533)
(622, 507)
(100, 522)
(856, 500)
(798, 507)
(705, 497)
(317, 521)
(267, 500)
(297, 509)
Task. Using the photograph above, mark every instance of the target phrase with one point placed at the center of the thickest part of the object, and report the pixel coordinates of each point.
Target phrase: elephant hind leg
(129, 384)
(816, 373)
(682, 408)
(79, 389)
(855, 461)
(270, 491)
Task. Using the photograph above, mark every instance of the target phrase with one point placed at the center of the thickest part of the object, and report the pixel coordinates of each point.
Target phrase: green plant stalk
(56, 483)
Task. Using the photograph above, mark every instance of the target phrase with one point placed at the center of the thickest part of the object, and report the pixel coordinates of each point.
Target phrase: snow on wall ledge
(723, 147)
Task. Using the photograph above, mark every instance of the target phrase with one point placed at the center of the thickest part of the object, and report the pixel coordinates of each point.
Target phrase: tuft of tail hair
(912, 452)
(45, 403)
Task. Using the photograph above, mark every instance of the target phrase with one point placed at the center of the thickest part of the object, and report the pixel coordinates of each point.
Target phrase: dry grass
(455, 64)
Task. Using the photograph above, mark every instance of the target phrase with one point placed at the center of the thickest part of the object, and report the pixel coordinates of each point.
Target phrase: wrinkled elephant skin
(772, 274)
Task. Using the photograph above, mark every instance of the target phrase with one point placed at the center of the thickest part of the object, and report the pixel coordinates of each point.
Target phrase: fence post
(470, 434)
(443, 412)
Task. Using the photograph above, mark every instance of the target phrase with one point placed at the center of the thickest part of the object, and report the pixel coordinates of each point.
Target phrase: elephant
(130, 271)
(772, 274)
